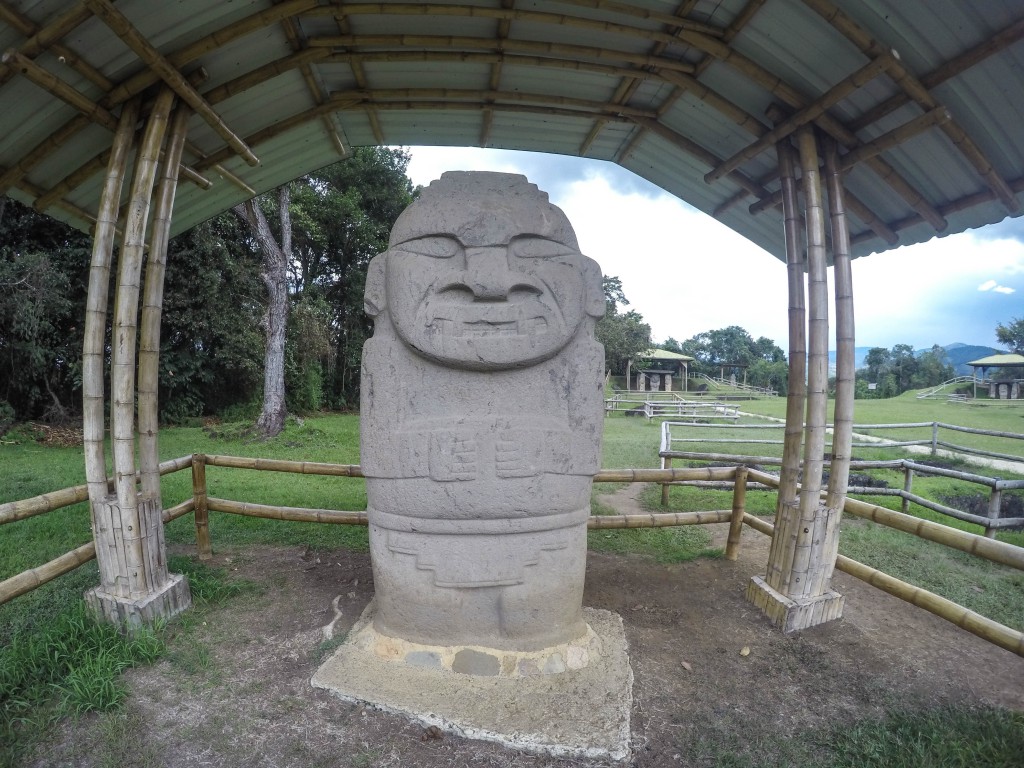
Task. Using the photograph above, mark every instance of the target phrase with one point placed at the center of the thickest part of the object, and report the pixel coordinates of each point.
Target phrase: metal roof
(924, 97)
(998, 361)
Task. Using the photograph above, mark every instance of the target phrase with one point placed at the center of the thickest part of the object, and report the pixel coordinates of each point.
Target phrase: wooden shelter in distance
(819, 131)
(670, 368)
(1007, 389)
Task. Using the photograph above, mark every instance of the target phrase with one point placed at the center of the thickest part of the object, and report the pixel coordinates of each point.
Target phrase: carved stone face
(484, 273)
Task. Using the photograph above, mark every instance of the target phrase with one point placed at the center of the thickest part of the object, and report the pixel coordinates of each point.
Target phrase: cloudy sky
(953, 289)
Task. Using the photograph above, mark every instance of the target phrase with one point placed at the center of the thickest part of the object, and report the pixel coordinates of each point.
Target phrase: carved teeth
(533, 326)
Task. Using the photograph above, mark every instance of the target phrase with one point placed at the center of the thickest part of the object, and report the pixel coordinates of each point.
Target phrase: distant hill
(959, 355)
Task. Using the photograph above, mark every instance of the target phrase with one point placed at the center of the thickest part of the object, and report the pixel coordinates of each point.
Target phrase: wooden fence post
(739, 507)
(908, 486)
(666, 463)
(202, 511)
(994, 502)
(935, 438)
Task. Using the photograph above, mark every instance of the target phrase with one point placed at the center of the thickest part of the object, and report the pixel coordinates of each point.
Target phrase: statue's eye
(436, 246)
(538, 248)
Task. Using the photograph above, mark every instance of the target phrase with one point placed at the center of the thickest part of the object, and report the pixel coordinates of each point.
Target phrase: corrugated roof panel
(380, 74)
(586, 85)
(613, 139)
(561, 137)
(422, 24)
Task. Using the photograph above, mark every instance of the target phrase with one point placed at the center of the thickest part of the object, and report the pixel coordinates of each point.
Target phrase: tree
(274, 273)
(877, 361)
(933, 368)
(624, 335)
(1011, 335)
(43, 272)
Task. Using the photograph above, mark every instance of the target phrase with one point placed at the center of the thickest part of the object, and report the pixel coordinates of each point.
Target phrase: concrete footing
(168, 601)
(794, 614)
(561, 710)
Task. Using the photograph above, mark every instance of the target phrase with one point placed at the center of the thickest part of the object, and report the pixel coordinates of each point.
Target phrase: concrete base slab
(794, 614)
(576, 713)
(164, 603)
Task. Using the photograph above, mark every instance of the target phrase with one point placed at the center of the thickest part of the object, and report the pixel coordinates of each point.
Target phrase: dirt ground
(236, 692)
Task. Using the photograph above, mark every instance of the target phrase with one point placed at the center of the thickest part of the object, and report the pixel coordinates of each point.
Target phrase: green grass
(56, 663)
(66, 664)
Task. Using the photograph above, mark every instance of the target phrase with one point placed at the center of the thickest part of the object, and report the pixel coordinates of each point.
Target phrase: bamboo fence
(201, 503)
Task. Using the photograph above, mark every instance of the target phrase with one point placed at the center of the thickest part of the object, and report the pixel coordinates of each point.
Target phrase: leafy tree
(876, 361)
(671, 345)
(211, 346)
(1012, 335)
(43, 272)
(933, 368)
(623, 334)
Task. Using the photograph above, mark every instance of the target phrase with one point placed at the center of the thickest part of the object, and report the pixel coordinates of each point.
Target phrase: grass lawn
(54, 662)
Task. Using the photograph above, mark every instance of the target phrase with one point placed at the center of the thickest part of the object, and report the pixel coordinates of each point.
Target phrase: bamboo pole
(975, 623)
(152, 305)
(908, 488)
(666, 463)
(123, 351)
(36, 577)
(809, 541)
(994, 503)
(612, 522)
(202, 508)
(94, 344)
(796, 397)
(842, 429)
(167, 72)
(739, 503)
(291, 514)
(178, 510)
(895, 137)
(283, 465)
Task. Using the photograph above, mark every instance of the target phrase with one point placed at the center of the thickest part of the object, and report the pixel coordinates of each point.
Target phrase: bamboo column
(796, 592)
(141, 589)
(93, 417)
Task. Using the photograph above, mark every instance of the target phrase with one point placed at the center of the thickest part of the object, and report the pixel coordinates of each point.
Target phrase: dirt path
(236, 691)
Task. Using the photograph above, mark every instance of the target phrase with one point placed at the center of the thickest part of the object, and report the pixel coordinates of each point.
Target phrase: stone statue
(482, 408)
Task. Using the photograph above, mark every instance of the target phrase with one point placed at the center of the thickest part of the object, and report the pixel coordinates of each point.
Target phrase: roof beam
(53, 85)
(19, 21)
(356, 65)
(316, 90)
(449, 43)
(46, 36)
(808, 114)
(947, 71)
(920, 94)
(895, 137)
(156, 61)
(538, 17)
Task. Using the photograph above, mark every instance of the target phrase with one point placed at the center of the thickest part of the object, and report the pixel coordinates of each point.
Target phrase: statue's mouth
(481, 329)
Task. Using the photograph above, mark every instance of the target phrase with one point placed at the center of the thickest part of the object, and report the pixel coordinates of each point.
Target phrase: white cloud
(1004, 289)
(988, 285)
(995, 287)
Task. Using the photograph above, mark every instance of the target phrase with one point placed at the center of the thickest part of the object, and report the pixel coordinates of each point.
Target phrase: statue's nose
(487, 273)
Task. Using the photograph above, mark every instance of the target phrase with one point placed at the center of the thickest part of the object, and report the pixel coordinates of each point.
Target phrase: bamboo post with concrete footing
(739, 508)
(137, 587)
(796, 592)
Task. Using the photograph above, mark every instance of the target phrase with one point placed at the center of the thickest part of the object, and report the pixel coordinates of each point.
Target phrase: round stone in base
(479, 660)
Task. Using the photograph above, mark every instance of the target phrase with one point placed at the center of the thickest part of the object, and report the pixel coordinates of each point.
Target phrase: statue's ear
(374, 299)
(593, 282)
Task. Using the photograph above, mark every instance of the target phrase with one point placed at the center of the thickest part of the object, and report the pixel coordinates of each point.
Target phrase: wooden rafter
(811, 112)
(19, 21)
(359, 73)
(55, 86)
(450, 43)
(916, 91)
(45, 37)
(628, 86)
(947, 71)
(537, 17)
(316, 88)
(167, 72)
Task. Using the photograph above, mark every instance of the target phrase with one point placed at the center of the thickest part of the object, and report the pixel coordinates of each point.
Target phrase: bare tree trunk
(275, 319)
